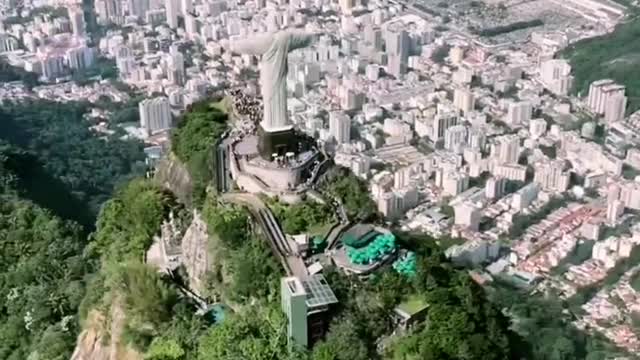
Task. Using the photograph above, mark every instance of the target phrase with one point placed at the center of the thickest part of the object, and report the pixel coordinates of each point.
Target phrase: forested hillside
(44, 268)
(54, 175)
(64, 159)
(613, 56)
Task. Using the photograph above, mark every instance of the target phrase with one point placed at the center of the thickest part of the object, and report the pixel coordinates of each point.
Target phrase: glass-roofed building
(304, 302)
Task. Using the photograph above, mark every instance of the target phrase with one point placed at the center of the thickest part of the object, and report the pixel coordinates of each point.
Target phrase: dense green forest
(63, 154)
(302, 217)
(352, 192)
(43, 279)
(545, 323)
(44, 270)
(54, 175)
(613, 56)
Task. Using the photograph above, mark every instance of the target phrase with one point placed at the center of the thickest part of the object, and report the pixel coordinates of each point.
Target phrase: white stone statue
(274, 48)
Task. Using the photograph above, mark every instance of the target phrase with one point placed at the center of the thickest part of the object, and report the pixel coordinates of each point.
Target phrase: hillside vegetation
(62, 152)
(194, 140)
(615, 56)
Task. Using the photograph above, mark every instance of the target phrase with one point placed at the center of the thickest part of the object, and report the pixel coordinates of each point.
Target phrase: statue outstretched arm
(299, 39)
(253, 45)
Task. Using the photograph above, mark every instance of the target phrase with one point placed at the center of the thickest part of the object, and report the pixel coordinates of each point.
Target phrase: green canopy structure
(406, 265)
(376, 250)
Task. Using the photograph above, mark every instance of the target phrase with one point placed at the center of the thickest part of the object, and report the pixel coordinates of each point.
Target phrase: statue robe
(273, 49)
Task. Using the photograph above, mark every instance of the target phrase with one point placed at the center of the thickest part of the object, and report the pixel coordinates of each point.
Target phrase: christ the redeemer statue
(274, 48)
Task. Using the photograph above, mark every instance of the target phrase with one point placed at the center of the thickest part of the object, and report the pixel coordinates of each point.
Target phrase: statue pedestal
(276, 142)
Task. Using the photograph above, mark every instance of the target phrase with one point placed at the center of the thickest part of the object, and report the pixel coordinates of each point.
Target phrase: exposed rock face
(195, 252)
(100, 339)
(173, 175)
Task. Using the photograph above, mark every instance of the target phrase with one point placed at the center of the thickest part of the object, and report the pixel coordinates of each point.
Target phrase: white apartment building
(155, 115)
(555, 75)
(518, 112)
(600, 94)
(615, 108)
(340, 127)
(551, 175)
(455, 138)
(506, 149)
(463, 99)
(172, 9)
(537, 128)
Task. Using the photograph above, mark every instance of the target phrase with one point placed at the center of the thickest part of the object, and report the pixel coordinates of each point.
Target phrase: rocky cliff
(196, 257)
(100, 337)
(173, 175)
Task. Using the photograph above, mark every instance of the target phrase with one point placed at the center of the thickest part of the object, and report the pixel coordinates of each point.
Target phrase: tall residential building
(495, 187)
(455, 138)
(537, 128)
(139, 8)
(525, 196)
(172, 9)
(304, 302)
(555, 75)
(155, 114)
(397, 42)
(76, 17)
(456, 55)
(109, 11)
(467, 215)
(454, 182)
(630, 194)
(615, 108)
(551, 175)
(346, 6)
(463, 99)
(514, 172)
(8, 43)
(81, 57)
(506, 149)
(463, 75)
(175, 67)
(52, 66)
(615, 209)
(445, 118)
(351, 99)
(396, 66)
(476, 139)
(600, 93)
(186, 7)
(519, 112)
(373, 35)
(340, 127)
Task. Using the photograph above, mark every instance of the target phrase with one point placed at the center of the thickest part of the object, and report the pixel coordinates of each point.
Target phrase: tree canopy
(302, 216)
(127, 223)
(193, 142)
(258, 333)
(42, 281)
(352, 192)
(57, 139)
